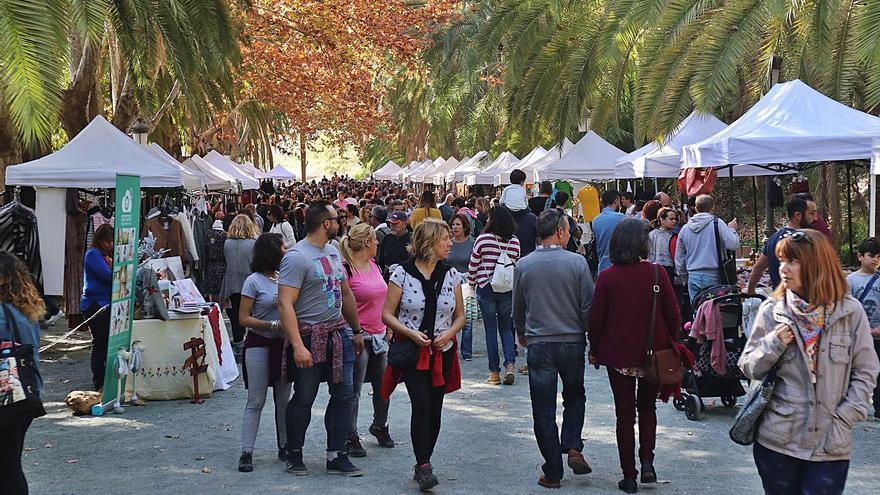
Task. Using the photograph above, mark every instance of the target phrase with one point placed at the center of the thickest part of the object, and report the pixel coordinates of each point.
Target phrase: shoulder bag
(745, 425)
(726, 259)
(867, 289)
(19, 396)
(662, 367)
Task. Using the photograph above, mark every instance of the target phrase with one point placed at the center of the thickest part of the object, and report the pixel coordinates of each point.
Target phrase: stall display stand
(196, 367)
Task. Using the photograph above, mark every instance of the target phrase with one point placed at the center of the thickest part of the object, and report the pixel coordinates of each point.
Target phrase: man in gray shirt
(315, 303)
(552, 293)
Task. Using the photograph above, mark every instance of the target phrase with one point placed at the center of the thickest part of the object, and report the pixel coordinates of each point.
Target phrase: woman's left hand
(441, 341)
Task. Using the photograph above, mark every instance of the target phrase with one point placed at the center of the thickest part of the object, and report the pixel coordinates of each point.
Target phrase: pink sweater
(485, 255)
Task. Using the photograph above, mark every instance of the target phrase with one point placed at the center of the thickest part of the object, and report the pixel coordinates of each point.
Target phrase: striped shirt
(485, 255)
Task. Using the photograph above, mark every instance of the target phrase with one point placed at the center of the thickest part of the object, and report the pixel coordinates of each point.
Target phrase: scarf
(431, 288)
(810, 322)
(467, 211)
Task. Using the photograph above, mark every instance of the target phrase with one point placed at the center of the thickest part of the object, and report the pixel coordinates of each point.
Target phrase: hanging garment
(188, 237)
(696, 181)
(19, 236)
(201, 225)
(169, 235)
(775, 194)
(588, 196)
(215, 260)
(74, 252)
(564, 185)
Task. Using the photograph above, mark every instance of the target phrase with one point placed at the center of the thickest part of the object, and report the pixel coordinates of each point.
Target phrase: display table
(162, 377)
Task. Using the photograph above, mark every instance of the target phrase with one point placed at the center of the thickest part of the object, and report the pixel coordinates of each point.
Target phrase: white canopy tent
(419, 177)
(389, 171)
(191, 180)
(280, 173)
(663, 159)
(216, 179)
(248, 181)
(92, 159)
(792, 123)
(504, 162)
(416, 169)
(404, 171)
(553, 154)
(439, 175)
(503, 177)
(592, 158)
(875, 170)
(249, 168)
(467, 167)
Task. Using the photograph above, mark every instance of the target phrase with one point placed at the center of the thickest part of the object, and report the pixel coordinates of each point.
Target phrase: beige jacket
(803, 420)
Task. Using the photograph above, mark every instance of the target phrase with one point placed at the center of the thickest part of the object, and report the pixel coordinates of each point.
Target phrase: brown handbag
(662, 367)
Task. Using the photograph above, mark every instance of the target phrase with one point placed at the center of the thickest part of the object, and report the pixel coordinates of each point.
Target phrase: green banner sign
(125, 258)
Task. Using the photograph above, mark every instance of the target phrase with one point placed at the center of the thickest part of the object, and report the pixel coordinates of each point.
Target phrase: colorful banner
(125, 237)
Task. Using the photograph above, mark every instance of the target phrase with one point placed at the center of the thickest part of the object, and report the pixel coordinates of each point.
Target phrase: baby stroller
(704, 381)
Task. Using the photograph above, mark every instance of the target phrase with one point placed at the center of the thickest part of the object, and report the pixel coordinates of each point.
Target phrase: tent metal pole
(849, 219)
(755, 210)
(872, 219)
(732, 189)
(770, 228)
(656, 189)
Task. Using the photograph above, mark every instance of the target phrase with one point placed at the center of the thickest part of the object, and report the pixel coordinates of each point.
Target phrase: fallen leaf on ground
(28, 449)
(72, 461)
(48, 445)
(206, 470)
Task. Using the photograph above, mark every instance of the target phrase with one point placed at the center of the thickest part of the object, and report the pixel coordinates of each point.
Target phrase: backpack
(673, 245)
(502, 276)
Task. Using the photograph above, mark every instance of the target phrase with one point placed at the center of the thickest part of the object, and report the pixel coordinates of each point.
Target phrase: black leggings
(11, 445)
(232, 312)
(100, 328)
(427, 408)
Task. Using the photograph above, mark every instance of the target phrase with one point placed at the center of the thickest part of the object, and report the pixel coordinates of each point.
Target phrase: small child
(864, 285)
(514, 195)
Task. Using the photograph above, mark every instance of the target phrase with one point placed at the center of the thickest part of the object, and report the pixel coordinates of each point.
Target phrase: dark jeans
(546, 362)
(786, 475)
(877, 388)
(337, 417)
(427, 409)
(100, 328)
(232, 312)
(467, 341)
(12, 478)
(497, 310)
(626, 402)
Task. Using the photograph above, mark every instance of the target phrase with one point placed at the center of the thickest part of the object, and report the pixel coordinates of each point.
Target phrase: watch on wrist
(358, 331)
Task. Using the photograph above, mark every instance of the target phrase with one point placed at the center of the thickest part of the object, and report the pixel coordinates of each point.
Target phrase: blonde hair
(242, 227)
(822, 280)
(355, 241)
(425, 238)
(17, 287)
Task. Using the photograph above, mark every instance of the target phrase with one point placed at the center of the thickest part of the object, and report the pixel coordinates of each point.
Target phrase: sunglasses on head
(797, 236)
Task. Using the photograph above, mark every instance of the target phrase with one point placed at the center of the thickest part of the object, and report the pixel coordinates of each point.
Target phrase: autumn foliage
(323, 63)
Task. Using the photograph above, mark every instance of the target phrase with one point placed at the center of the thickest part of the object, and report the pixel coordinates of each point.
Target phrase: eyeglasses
(797, 236)
(331, 219)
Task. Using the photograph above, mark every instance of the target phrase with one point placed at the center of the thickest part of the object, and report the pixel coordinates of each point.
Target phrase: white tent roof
(792, 123)
(417, 168)
(503, 177)
(280, 173)
(215, 179)
(250, 169)
(92, 159)
(553, 154)
(664, 160)
(248, 181)
(191, 180)
(388, 171)
(467, 167)
(439, 175)
(592, 158)
(505, 161)
(427, 170)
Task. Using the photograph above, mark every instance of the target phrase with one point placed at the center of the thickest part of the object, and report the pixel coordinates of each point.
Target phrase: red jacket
(620, 315)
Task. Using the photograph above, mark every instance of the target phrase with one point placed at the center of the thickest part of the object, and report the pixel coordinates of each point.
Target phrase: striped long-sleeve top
(485, 255)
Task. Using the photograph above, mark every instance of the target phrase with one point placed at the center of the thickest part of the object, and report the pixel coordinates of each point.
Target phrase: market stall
(389, 171)
(280, 173)
(218, 161)
(215, 179)
(591, 159)
(547, 158)
(505, 161)
(503, 177)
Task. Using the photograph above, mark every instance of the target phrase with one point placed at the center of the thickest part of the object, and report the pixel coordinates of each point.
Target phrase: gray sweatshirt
(552, 295)
(697, 250)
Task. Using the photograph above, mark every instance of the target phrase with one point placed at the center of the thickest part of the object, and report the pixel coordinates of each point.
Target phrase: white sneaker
(54, 318)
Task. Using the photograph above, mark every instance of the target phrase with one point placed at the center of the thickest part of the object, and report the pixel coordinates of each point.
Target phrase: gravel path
(486, 445)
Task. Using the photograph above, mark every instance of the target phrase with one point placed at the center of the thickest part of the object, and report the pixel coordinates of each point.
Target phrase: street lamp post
(584, 125)
(139, 131)
(769, 230)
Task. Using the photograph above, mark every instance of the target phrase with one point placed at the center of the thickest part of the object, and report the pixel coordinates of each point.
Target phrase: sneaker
(649, 476)
(424, 475)
(547, 483)
(246, 462)
(295, 464)
(628, 486)
(341, 465)
(468, 359)
(524, 370)
(54, 318)
(493, 379)
(578, 463)
(509, 374)
(382, 436)
(354, 448)
(282, 453)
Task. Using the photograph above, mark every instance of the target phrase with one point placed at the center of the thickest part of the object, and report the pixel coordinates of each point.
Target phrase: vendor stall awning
(191, 179)
(592, 158)
(248, 181)
(506, 161)
(280, 173)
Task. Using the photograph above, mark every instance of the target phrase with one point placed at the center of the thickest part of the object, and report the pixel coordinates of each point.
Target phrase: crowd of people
(345, 282)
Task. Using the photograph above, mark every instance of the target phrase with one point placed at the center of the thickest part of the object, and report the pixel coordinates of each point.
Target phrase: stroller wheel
(728, 401)
(692, 408)
(678, 404)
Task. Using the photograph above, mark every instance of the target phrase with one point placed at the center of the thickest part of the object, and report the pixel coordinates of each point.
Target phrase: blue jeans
(466, 341)
(547, 361)
(699, 281)
(497, 310)
(786, 475)
(337, 418)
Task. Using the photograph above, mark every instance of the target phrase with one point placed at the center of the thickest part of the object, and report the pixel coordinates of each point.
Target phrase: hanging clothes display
(201, 226)
(564, 185)
(588, 197)
(188, 237)
(19, 236)
(696, 181)
(169, 235)
(775, 194)
(215, 261)
(799, 184)
(74, 252)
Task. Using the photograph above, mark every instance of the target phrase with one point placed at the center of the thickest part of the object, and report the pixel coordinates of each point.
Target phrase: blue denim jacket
(29, 332)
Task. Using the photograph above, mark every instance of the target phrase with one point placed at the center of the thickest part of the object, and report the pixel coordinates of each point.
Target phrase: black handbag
(19, 395)
(403, 353)
(726, 259)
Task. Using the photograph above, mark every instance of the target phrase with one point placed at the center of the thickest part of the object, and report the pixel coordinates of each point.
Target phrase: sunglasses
(797, 236)
(331, 219)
